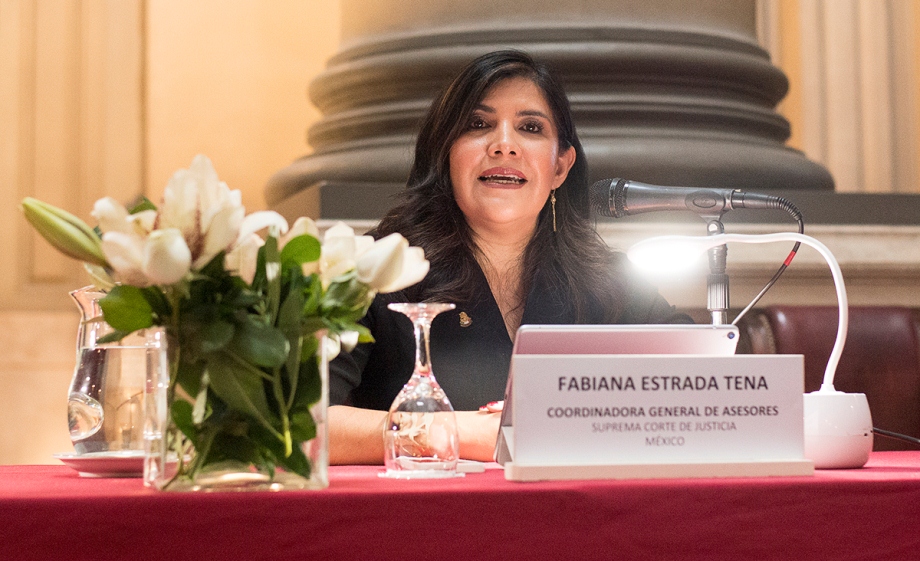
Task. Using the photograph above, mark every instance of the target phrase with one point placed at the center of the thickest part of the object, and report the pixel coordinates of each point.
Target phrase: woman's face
(506, 162)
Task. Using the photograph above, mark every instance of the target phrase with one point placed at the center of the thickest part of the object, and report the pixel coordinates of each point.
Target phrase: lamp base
(838, 429)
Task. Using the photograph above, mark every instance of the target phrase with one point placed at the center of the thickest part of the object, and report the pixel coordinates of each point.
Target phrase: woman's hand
(356, 435)
(478, 432)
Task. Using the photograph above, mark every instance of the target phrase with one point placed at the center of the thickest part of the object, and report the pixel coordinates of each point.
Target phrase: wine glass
(420, 435)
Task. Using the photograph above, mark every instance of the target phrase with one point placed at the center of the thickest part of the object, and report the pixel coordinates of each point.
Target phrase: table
(48, 512)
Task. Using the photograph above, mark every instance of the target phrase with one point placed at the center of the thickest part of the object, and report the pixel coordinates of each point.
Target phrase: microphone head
(608, 197)
(599, 196)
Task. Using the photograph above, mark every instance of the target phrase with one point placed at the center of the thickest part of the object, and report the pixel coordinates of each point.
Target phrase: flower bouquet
(246, 317)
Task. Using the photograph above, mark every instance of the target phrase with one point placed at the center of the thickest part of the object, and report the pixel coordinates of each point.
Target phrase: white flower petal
(301, 226)
(179, 208)
(142, 222)
(111, 216)
(337, 257)
(222, 234)
(339, 230)
(349, 340)
(261, 220)
(124, 252)
(332, 345)
(363, 243)
(414, 269)
(382, 264)
(243, 257)
(166, 257)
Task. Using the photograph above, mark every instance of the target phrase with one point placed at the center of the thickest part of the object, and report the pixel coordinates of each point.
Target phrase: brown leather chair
(881, 357)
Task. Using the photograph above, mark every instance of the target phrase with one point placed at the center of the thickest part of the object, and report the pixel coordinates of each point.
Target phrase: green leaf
(240, 388)
(364, 334)
(215, 335)
(309, 387)
(189, 376)
(311, 325)
(301, 249)
(141, 205)
(297, 462)
(289, 323)
(215, 267)
(314, 292)
(260, 344)
(303, 427)
(272, 276)
(181, 411)
(309, 349)
(112, 337)
(159, 304)
(126, 309)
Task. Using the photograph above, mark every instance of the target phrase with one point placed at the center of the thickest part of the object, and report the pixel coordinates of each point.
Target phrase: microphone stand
(717, 281)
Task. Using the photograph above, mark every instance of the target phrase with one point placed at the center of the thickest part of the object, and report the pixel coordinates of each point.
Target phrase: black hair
(572, 261)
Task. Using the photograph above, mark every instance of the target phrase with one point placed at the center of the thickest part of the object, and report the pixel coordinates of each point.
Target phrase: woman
(498, 199)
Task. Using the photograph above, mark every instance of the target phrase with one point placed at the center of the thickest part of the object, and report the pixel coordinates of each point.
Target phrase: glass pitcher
(105, 407)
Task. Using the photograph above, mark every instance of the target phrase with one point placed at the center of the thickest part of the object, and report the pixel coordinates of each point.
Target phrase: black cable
(786, 205)
(898, 436)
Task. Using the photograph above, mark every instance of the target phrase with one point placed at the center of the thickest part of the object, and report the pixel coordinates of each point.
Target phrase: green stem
(248, 366)
(175, 437)
(294, 376)
(283, 411)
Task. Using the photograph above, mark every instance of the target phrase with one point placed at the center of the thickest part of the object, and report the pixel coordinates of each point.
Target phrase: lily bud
(67, 233)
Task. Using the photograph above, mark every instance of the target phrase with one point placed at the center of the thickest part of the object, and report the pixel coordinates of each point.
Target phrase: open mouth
(503, 179)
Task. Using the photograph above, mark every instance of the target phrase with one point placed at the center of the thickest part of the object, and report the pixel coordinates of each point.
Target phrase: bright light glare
(670, 252)
(666, 253)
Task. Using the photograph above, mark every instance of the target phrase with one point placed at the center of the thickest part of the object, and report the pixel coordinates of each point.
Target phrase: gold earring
(552, 200)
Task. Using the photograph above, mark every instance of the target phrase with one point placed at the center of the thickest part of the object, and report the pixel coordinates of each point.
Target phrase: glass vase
(172, 462)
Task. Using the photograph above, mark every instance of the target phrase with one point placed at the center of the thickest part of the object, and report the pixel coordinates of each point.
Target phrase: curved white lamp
(838, 426)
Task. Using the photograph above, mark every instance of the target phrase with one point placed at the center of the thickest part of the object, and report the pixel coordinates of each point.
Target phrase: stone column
(662, 92)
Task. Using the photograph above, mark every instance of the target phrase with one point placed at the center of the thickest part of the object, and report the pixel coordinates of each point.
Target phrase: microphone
(622, 197)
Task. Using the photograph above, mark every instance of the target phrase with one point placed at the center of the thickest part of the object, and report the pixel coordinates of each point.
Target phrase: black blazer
(469, 362)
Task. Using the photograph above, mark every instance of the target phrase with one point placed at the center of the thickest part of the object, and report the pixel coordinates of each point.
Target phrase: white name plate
(628, 416)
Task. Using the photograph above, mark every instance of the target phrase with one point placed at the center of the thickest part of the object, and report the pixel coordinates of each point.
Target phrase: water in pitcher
(106, 402)
(105, 407)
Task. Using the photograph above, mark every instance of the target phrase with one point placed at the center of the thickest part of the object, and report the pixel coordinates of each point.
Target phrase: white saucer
(124, 463)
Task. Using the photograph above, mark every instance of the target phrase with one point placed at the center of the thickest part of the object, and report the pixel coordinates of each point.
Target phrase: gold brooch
(465, 320)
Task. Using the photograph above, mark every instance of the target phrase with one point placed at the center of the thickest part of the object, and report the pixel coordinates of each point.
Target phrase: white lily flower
(142, 222)
(243, 257)
(391, 264)
(349, 340)
(204, 209)
(301, 226)
(221, 234)
(112, 216)
(382, 263)
(338, 253)
(124, 253)
(166, 257)
(339, 230)
(261, 220)
(332, 345)
(336, 257)
(414, 269)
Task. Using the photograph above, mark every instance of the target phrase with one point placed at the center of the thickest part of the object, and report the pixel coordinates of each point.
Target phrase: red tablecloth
(48, 512)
